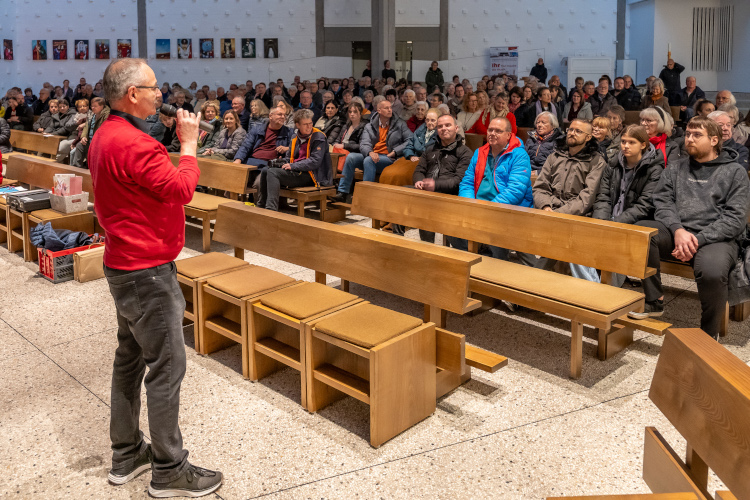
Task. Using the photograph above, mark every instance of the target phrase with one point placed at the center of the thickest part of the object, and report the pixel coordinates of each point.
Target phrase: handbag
(343, 152)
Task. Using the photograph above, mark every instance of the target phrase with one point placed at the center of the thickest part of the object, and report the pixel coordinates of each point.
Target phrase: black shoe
(139, 466)
(194, 482)
(651, 310)
(339, 198)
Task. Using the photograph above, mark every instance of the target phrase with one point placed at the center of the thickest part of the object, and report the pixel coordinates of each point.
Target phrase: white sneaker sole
(115, 479)
(183, 493)
(645, 315)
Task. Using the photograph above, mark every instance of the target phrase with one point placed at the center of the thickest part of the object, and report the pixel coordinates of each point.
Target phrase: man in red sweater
(139, 201)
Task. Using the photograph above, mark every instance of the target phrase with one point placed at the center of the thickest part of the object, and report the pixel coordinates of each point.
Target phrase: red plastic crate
(58, 266)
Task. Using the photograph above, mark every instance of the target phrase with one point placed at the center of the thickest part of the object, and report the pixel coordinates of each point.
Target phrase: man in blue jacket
(500, 171)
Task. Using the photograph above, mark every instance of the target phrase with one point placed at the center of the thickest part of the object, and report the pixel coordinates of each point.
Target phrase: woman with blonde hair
(258, 113)
(658, 125)
(470, 113)
(209, 113)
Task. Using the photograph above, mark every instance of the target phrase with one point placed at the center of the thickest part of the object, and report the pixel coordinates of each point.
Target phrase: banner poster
(504, 60)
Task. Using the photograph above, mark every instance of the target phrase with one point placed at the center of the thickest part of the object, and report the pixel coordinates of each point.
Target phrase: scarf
(294, 144)
(660, 143)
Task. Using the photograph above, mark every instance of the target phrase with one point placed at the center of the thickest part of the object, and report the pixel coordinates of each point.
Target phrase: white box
(70, 204)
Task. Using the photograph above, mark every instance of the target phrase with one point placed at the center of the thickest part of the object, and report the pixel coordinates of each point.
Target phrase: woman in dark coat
(542, 139)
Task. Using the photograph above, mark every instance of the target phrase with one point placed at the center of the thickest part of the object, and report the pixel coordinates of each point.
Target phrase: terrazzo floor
(526, 431)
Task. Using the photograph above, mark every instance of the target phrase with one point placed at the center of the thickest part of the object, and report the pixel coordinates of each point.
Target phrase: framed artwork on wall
(59, 50)
(207, 48)
(271, 48)
(227, 48)
(82, 50)
(39, 50)
(8, 49)
(124, 47)
(101, 46)
(184, 48)
(163, 48)
(248, 48)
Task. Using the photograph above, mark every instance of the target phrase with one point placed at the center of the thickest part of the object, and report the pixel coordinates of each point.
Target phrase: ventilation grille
(712, 38)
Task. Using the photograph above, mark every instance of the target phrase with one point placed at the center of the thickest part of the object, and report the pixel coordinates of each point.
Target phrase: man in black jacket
(670, 75)
(687, 97)
(628, 98)
(724, 121)
(539, 71)
(701, 211)
(441, 167)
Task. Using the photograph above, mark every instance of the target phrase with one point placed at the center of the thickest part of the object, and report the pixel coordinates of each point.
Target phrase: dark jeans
(711, 266)
(150, 307)
(427, 236)
(271, 180)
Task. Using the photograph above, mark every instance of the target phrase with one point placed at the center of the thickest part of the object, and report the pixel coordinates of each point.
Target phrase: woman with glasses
(659, 125)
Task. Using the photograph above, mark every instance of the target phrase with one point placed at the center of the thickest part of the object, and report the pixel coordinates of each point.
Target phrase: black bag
(739, 277)
(28, 201)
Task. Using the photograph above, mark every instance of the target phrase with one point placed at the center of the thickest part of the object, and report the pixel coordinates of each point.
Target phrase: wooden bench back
(523, 133)
(605, 245)
(704, 391)
(221, 175)
(411, 269)
(38, 172)
(34, 141)
(475, 141)
(632, 117)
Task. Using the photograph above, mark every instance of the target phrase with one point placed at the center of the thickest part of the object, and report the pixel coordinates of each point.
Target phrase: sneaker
(510, 306)
(651, 310)
(138, 467)
(195, 482)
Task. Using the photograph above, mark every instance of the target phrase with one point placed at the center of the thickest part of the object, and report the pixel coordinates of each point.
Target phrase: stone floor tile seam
(56, 364)
(450, 445)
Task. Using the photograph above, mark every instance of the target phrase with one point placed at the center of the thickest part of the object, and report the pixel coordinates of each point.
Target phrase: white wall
(640, 39)
(353, 13)
(674, 25)
(7, 30)
(545, 28)
(738, 79)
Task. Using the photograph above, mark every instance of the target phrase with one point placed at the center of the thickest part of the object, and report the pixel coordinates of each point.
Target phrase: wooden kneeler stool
(381, 357)
(192, 273)
(278, 324)
(223, 298)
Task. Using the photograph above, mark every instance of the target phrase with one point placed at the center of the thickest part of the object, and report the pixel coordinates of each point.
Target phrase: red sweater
(139, 195)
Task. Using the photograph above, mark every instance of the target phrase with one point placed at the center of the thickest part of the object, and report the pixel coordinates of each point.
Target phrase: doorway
(360, 55)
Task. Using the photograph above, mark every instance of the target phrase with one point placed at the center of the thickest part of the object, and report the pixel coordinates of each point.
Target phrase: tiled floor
(526, 431)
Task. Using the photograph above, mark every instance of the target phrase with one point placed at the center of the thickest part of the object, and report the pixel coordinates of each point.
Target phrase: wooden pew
(429, 274)
(219, 175)
(319, 195)
(605, 245)
(523, 133)
(38, 172)
(475, 141)
(34, 141)
(704, 391)
(632, 117)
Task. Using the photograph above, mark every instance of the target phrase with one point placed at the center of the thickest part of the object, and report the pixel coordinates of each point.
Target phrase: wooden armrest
(472, 304)
(484, 360)
(650, 271)
(663, 470)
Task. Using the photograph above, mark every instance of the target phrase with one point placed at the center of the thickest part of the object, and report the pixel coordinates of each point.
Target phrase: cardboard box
(88, 265)
(69, 204)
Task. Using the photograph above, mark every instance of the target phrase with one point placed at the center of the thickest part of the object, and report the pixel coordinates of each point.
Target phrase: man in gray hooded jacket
(701, 212)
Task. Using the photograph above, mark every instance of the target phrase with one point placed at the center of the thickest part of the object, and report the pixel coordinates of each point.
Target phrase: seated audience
(74, 127)
(542, 140)
(443, 165)
(687, 97)
(658, 125)
(238, 105)
(417, 120)
(569, 182)
(627, 97)
(17, 114)
(227, 142)
(543, 104)
(515, 101)
(423, 136)
(45, 119)
(266, 141)
(306, 102)
(436, 99)
(726, 97)
(408, 105)
(588, 89)
(456, 101)
(741, 132)
(210, 114)
(656, 98)
(383, 140)
(737, 152)
(5, 146)
(499, 172)
(470, 113)
(41, 105)
(602, 100)
(349, 136)
(181, 103)
(699, 223)
(100, 112)
(309, 163)
(703, 108)
(577, 108)
(600, 129)
(200, 98)
(434, 77)
(330, 122)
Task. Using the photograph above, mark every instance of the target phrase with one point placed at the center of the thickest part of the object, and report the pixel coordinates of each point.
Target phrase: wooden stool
(278, 323)
(193, 272)
(15, 222)
(381, 357)
(4, 232)
(223, 318)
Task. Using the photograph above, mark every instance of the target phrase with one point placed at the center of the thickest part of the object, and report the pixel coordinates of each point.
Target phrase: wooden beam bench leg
(300, 208)
(206, 233)
(740, 312)
(239, 253)
(436, 315)
(613, 340)
(724, 322)
(320, 277)
(345, 286)
(576, 349)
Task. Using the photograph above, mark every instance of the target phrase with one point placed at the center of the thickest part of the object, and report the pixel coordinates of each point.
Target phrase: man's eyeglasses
(154, 88)
(575, 131)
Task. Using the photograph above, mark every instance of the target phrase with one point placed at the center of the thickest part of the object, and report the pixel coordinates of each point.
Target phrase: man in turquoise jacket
(500, 171)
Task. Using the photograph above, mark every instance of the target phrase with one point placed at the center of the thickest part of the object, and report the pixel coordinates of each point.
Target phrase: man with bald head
(670, 75)
(139, 202)
(688, 96)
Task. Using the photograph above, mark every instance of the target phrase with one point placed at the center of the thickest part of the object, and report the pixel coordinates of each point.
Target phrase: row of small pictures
(227, 48)
(60, 49)
(163, 48)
